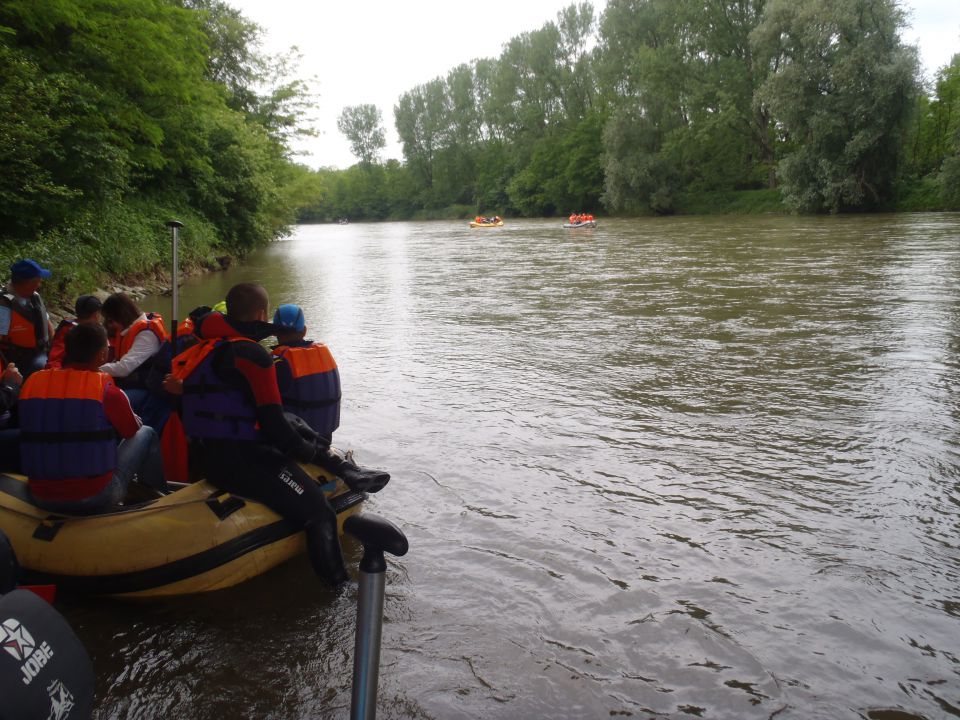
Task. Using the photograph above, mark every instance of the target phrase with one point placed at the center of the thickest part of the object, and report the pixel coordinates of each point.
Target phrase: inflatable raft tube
(196, 539)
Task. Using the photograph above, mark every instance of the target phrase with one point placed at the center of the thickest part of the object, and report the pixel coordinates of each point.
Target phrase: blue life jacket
(210, 408)
(64, 430)
(310, 385)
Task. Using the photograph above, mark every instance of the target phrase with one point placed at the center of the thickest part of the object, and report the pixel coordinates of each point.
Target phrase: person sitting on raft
(306, 374)
(69, 420)
(25, 326)
(87, 312)
(10, 382)
(136, 338)
(231, 408)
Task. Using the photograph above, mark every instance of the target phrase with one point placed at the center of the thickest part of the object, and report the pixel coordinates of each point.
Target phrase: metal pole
(366, 652)
(378, 536)
(175, 226)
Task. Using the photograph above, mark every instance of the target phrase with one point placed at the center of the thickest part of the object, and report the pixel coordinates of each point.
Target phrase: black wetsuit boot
(357, 478)
(323, 549)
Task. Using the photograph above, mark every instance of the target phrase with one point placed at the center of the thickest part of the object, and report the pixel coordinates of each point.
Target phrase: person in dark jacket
(231, 407)
(87, 312)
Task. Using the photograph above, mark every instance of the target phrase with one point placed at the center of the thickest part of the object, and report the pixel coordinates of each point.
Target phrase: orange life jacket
(153, 322)
(209, 407)
(64, 430)
(28, 325)
(313, 389)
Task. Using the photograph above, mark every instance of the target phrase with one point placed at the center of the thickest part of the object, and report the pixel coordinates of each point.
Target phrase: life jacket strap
(66, 436)
(293, 402)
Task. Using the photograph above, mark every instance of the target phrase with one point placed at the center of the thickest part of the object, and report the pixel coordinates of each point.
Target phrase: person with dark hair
(25, 327)
(87, 312)
(69, 420)
(136, 338)
(307, 374)
(231, 407)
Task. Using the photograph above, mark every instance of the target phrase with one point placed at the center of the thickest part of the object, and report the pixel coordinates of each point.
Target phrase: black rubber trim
(293, 402)
(188, 567)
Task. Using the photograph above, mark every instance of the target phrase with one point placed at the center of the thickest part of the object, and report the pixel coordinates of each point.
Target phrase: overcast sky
(372, 51)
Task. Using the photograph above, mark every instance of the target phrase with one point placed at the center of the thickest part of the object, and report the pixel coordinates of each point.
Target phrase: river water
(679, 468)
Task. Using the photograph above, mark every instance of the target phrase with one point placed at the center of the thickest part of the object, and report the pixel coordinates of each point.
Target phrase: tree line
(653, 106)
(118, 115)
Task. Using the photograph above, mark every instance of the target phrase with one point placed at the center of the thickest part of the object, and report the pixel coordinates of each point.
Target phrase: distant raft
(486, 223)
(584, 224)
(196, 539)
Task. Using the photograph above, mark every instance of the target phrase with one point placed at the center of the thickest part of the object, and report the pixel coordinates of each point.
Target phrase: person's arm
(144, 347)
(256, 367)
(116, 405)
(10, 382)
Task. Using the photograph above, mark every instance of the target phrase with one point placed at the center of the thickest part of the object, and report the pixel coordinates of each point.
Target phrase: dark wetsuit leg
(262, 473)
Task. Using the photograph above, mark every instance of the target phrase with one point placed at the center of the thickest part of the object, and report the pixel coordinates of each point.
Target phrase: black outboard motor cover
(45, 671)
(9, 568)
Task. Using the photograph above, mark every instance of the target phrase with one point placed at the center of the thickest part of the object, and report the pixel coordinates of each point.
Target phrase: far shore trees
(663, 106)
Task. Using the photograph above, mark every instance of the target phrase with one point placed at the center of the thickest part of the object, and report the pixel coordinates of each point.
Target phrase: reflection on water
(675, 468)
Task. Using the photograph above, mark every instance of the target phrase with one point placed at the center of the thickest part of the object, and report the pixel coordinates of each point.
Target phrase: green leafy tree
(842, 95)
(362, 125)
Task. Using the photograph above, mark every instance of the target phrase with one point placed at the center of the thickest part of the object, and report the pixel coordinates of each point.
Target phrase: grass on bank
(120, 244)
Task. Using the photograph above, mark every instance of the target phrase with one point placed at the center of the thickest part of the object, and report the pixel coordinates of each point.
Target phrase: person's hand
(172, 385)
(12, 376)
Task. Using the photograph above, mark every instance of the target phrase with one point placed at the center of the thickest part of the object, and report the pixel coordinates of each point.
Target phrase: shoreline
(60, 306)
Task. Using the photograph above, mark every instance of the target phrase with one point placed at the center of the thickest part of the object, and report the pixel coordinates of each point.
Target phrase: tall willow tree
(686, 118)
(843, 93)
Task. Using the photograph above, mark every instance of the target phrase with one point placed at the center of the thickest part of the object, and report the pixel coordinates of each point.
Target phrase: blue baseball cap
(27, 270)
(289, 317)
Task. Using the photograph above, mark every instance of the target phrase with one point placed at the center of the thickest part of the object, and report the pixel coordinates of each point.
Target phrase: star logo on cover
(16, 640)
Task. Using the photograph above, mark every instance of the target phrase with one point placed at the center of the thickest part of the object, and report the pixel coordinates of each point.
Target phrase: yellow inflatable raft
(475, 224)
(195, 539)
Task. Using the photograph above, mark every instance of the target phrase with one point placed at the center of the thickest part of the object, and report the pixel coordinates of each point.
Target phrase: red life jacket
(64, 429)
(313, 391)
(58, 346)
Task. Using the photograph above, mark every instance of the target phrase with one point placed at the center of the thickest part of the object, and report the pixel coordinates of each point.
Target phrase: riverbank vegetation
(672, 106)
(119, 115)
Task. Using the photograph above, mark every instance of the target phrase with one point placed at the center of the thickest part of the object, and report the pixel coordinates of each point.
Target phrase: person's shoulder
(250, 350)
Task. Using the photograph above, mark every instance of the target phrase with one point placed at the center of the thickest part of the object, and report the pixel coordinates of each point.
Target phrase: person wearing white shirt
(135, 339)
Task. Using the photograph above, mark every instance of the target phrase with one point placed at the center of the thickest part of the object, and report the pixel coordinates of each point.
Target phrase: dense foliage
(661, 106)
(117, 115)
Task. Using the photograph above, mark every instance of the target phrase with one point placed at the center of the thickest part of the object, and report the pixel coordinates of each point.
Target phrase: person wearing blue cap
(306, 374)
(25, 327)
